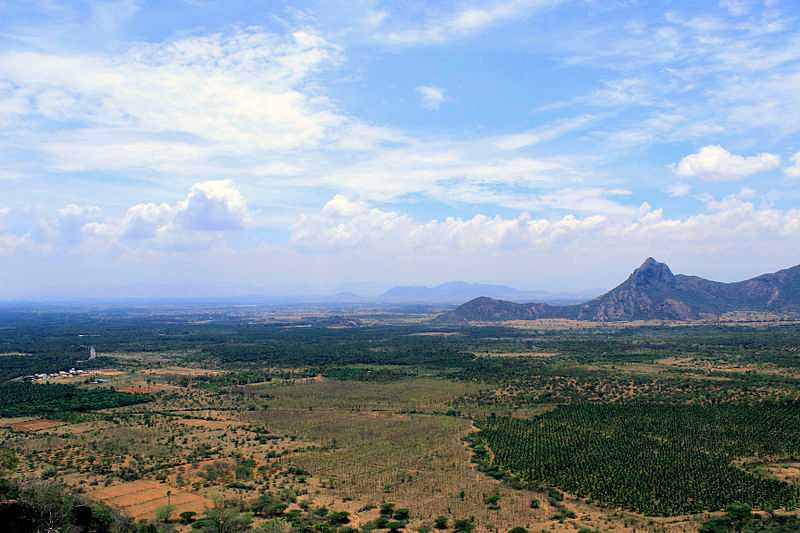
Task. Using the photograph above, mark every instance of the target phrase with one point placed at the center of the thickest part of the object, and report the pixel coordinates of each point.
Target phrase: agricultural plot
(416, 394)
(31, 426)
(141, 498)
(657, 460)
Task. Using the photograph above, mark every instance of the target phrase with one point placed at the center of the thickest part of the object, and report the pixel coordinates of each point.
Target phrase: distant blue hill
(460, 291)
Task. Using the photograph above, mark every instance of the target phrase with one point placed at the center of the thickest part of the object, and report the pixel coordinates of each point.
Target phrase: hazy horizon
(195, 149)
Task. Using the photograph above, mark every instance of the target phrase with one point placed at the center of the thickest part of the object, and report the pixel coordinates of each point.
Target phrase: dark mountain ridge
(653, 292)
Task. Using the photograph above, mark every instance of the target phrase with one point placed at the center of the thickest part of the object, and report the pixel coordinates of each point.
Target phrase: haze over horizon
(194, 148)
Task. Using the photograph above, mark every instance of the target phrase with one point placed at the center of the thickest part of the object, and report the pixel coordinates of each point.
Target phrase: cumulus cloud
(213, 206)
(344, 223)
(728, 223)
(144, 221)
(210, 208)
(345, 226)
(391, 243)
(71, 220)
(432, 97)
(32, 230)
(715, 163)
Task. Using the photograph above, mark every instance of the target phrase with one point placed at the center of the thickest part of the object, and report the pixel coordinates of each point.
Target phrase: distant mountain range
(652, 291)
(458, 291)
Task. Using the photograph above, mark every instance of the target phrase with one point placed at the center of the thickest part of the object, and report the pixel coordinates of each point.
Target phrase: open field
(422, 394)
(30, 426)
(181, 371)
(140, 499)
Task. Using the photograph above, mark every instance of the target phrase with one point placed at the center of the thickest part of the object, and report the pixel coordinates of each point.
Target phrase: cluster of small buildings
(62, 374)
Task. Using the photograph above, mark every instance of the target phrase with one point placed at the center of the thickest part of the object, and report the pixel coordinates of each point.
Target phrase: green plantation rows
(654, 459)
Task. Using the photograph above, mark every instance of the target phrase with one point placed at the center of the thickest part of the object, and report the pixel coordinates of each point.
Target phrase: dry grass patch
(418, 394)
(142, 387)
(181, 371)
(415, 461)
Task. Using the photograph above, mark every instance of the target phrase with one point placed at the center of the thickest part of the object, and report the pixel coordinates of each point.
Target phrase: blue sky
(194, 147)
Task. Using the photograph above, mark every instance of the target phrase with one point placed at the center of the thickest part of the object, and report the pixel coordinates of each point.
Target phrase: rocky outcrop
(652, 291)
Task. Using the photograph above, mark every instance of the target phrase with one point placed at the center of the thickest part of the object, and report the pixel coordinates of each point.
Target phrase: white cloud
(442, 171)
(76, 230)
(12, 99)
(768, 101)
(210, 208)
(144, 221)
(729, 224)
(375, 18)
(724, 76)
(432, 97)
(106, 149)
(345, 226)
(344, 223)
(794, 170)
(248, 90)
(214, 206)
(466, 21)
(109, 15)
(679, 190)
(10, 244)
(737, 8)
(72, 219)
(585, 200)
(621, 92)
(715, 163)
(544, 133)
(352, 238)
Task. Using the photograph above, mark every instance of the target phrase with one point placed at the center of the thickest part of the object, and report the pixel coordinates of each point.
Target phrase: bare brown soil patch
(30, 426)
(181, 371)
(141, 498)
(107, 373)
(789, 471)
(319, 378)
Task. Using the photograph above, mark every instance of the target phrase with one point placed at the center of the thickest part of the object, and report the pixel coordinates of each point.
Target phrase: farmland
(395, 423)
(654, 459)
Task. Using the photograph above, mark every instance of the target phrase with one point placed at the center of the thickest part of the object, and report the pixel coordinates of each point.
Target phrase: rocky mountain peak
(652, 292)
(652, 273)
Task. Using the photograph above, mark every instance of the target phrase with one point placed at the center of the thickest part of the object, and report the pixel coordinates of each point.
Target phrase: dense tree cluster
(29, 399)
